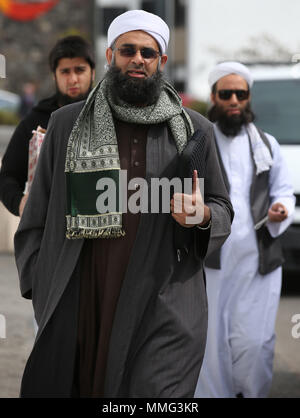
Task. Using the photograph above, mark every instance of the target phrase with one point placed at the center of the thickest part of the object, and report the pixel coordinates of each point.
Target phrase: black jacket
(159, 330)
(13, 174)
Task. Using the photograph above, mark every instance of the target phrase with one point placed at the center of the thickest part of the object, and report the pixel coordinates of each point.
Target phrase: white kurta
(242, 303)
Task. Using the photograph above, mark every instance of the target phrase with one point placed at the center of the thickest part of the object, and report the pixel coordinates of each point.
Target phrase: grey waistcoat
(270, 252)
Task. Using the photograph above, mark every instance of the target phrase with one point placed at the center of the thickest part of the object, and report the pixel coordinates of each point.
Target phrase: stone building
(26, 44)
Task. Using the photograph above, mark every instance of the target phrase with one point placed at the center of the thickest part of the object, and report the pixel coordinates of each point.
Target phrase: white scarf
(261, 153)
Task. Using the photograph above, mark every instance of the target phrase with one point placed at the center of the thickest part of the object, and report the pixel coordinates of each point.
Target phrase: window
(276, 105)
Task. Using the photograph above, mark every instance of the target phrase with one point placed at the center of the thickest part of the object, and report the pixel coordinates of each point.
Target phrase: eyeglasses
(240, 94)
(131, 50)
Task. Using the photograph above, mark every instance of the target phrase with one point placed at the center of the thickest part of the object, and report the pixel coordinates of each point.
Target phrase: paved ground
(286, 379)
(15, 348)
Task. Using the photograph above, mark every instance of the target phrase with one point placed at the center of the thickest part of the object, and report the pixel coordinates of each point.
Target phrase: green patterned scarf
(92, 154)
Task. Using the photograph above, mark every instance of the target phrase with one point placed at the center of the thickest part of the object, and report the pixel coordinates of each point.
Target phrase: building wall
(26, 45)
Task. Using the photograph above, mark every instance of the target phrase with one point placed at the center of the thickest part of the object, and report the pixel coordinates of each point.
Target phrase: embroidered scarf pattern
(92, 155)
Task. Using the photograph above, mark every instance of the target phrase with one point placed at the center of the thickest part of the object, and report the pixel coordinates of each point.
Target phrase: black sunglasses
(131, 50)
(240, 94)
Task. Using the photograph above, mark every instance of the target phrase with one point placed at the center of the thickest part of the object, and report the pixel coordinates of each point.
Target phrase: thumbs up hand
(189, 209)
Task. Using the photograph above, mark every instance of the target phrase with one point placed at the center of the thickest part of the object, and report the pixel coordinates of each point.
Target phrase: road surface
(15, 348)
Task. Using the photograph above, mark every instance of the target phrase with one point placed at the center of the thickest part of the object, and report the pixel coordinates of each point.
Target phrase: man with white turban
(244, 278)
(119, 299)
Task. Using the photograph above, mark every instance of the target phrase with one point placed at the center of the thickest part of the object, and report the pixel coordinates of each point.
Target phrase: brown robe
(103, 267)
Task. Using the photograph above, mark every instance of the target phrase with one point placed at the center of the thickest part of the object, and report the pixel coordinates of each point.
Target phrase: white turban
(230, 67)
(140, 20)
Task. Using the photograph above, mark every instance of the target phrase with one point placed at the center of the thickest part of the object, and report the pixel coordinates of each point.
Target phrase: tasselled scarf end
(106, 233)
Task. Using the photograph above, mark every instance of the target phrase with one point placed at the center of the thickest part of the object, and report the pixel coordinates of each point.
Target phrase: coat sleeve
(29, 234)
(281, 189)
(217, 198)
(13, 174)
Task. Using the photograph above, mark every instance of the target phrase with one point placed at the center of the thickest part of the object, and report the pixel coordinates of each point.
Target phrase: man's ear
(213, 98)
(109, 55)
(163, 61)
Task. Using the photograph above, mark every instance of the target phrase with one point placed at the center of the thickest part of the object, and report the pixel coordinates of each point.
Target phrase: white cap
(229, 67)
(140, 20)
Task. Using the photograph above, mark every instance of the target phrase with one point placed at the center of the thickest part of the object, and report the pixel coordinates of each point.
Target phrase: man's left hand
(189, 210)
(277, 213)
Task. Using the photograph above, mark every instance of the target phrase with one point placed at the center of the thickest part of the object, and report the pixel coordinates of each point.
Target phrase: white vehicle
(276, 104)
(9, 101)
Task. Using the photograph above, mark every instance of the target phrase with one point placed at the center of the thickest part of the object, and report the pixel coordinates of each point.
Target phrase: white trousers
(242, 310)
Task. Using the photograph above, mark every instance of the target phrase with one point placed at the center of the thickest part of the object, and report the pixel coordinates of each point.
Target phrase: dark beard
(231, 125)
(134, 91)
(64, 99)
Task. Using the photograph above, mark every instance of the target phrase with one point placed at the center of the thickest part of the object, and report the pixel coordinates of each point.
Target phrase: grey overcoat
(159, 331)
